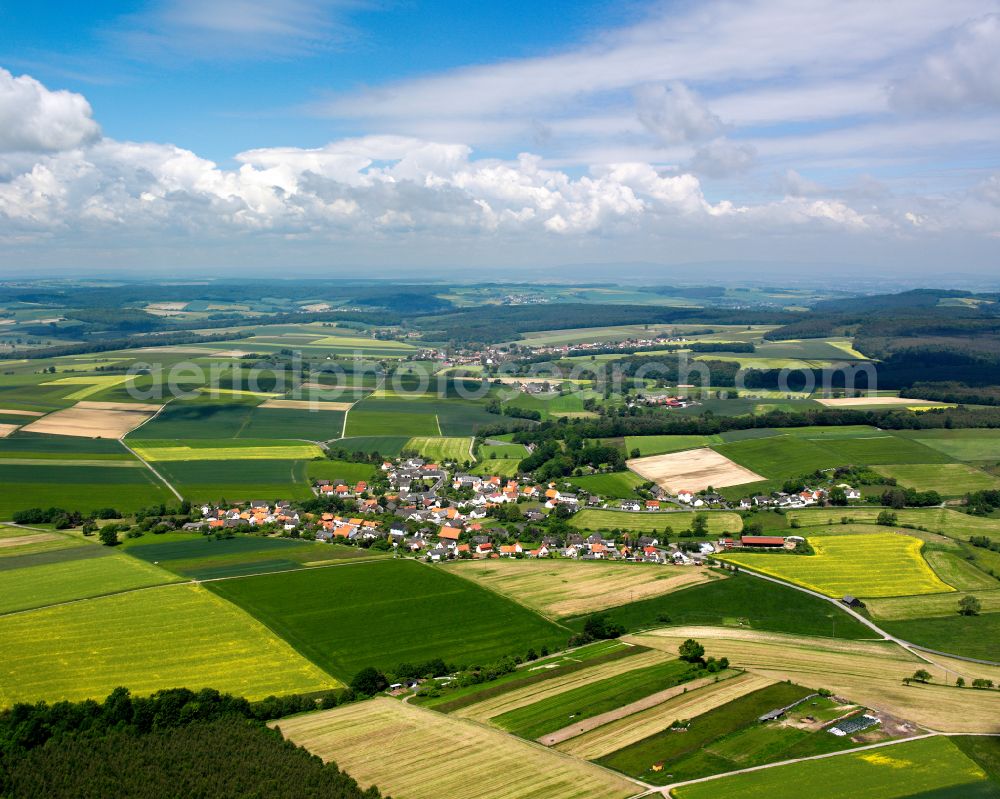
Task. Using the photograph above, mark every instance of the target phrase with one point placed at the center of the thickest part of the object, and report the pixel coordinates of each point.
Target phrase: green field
(341, 470)
(500, 468)
(391, 423)
(437, 448)
(211, 450)
(595, 519)
(739, 601)
(969, 636)
(200, 417)
(879, 448)
(386, 446)
(779, 457)
(949, 479)
(941, 520)
(238, 480)
(16, 542)
(620, 485)
(82, 486)
(577, 704)
(163, 637)
(61, 448)
(682, 755)
(970, 444)
(503, 451)
(320, 425)
(930, 768)
(958, 572)
(659, 445)
(842, 564)
(389, 612)
(49, 584)
(205, 558)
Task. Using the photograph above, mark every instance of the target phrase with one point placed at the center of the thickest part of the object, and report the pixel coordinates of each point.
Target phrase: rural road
(914, 649)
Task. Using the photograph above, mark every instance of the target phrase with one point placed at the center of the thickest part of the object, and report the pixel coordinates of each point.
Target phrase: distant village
(421, 509)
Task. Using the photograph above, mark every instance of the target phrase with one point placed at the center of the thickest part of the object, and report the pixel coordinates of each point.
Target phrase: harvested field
(870, 673)
(480, 763)
(7, 429)
(28, 540)
(688, 701)
(529, 695)
(306, 405)
(854, 402)
(560, 588)
(10, 412)
(93, 420)
(838, 567)
(693, 470)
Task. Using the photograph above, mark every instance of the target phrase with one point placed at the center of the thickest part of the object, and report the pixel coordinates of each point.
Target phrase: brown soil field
(866, 672)
(701, 697)
(306, 405)
(94, 420)
(7, 429)
(26, 540)
(519, 697)
(413, 753)
(692, 470)
(560, 588)
(11, 412)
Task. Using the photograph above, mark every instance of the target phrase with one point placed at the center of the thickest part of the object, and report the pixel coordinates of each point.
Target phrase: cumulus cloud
(964, 73)
(35, 119)
(675, 114)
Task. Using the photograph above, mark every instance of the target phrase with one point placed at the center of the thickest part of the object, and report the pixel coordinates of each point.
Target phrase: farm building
(762, 541)
(851, 726)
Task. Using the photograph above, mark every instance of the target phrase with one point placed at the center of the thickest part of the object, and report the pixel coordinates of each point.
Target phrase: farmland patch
(948, 479)
(693, 470)
(93, 420)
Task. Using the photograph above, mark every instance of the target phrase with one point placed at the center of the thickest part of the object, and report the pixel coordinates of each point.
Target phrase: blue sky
(323, 135)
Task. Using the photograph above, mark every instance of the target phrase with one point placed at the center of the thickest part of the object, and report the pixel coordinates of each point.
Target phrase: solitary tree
(921, 675)
(691, 651)
(109, 535)
(969, 606)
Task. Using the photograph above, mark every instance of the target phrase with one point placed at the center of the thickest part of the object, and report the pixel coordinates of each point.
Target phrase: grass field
(595, 519)
(555, 712)
(948, 479)
(615, 484)
(50, 584)
(500, 468)
(968, 444)
(941, 520)
(16, 542)
(868, 672)
(387, 446)
(442, 448)
(238, 480)
(898, 608)
(347, 617)
(778, 457)
(879, 448)
(559, 588)
(159, 638)
(691, 700)
(78, 487)
(930, 767)
(391, 423)
(839, 566)
(658, 445)
(209, 450)
(958, 572)
(478, 763)
(515, 451)
(682, 756)
(740, 601)
(969, 636)
(204, 558)
(340, 470)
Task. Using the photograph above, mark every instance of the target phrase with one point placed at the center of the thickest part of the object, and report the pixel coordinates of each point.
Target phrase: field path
(143, 461)
(918, 651)
(378, 384)
(645, 703)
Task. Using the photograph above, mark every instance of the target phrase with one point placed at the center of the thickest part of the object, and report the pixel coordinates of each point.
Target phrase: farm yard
(692, 470)
(150, 639)
(841, 566)
(416, 770)
(559, 588)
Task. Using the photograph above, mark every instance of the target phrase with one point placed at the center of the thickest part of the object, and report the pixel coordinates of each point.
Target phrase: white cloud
(723, 158)
(675, 114)
(35, 119)
(965, 73)
(233, 28)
